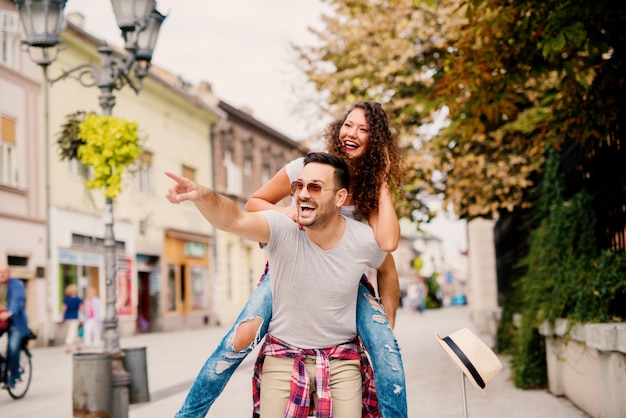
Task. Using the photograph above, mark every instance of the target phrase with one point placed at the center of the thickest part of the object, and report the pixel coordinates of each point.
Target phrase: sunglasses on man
(314, 189)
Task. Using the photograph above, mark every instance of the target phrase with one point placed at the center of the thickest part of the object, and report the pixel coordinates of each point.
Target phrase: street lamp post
(140, 23)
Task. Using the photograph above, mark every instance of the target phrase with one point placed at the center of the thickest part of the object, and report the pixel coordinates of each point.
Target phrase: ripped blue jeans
(372, 327)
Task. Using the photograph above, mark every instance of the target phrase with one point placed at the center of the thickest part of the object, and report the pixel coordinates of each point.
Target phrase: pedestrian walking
(92, 325)
(72, 306)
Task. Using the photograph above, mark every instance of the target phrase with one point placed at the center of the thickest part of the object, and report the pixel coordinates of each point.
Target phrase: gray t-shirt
(314, 291)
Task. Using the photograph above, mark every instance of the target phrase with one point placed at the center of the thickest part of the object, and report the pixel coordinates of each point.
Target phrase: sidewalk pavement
(433, 382)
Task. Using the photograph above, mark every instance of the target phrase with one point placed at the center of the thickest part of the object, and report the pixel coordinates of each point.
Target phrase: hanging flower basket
(107, 144)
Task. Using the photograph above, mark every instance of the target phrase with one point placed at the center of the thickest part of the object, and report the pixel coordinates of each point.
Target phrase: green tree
(524, 74)
(516, 75)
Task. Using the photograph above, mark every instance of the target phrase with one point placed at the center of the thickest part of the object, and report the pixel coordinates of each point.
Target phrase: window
(229, 272)
(92, 242)
(83, 276)
(250, 261)
(233, 174)
(69, 275)
(265, 174)
(9, 43)
(199, 287)
(247, 177)
(80, 268)
(189, 172)
(16, 260)
(8, 152)
(143, 174)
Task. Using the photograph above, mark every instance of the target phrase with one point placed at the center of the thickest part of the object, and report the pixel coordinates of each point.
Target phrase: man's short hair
(342, 173)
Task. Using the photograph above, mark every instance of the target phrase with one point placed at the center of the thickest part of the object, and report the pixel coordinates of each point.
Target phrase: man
(316, 267)
(13, 309)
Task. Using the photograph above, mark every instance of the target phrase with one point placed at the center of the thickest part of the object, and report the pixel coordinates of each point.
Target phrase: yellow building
(173, 270)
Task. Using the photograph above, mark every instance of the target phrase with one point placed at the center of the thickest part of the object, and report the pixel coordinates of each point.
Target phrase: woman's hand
(291, 212)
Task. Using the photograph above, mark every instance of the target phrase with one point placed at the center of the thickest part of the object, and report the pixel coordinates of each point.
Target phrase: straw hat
(472, 356)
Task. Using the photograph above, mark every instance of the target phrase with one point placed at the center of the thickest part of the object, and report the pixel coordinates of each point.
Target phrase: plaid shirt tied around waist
(299, 404)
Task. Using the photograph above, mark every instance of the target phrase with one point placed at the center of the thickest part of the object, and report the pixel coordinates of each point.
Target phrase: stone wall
(587, 364)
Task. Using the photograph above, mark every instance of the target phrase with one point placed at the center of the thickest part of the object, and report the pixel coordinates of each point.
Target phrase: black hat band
(466, 362)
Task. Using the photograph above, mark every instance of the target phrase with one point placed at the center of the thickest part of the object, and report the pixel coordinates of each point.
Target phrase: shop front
(187, 284)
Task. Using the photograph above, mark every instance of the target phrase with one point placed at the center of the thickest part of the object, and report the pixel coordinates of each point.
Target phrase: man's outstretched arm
(220, 211)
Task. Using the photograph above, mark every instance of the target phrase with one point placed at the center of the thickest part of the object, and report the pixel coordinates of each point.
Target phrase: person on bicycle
(13, 309)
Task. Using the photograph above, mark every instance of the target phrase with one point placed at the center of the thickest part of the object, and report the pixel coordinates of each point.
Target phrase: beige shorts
(345, 386)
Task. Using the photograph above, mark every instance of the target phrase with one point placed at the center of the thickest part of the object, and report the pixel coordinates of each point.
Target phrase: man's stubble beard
(318, 223)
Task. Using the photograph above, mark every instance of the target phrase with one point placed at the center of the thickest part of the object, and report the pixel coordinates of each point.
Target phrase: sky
(242, 48)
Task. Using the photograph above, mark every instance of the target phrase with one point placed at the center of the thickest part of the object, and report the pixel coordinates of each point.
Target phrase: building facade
(22, 177)
(247, 154)
(173, 269)
(164, 252)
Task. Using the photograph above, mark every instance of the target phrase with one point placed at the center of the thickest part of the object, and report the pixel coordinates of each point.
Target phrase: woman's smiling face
(355, 134)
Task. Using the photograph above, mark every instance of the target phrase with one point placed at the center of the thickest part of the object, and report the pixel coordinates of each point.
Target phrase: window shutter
(8, 129)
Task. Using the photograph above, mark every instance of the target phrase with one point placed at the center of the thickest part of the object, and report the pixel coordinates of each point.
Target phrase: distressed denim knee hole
(379, 318)
(246, 334)
(374, 303)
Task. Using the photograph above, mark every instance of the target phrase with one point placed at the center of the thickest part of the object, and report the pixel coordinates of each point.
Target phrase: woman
(363, 138)
(93, 319)
(72, 305)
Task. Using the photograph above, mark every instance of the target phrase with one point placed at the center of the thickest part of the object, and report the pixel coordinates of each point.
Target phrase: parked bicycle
(26, 369)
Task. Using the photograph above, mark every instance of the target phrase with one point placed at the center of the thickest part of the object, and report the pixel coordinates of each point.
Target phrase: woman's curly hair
(369, 171)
